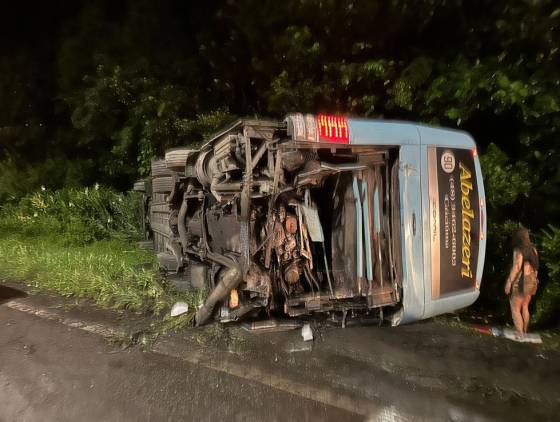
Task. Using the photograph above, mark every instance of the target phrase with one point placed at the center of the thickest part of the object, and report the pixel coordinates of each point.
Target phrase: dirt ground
(424, 371)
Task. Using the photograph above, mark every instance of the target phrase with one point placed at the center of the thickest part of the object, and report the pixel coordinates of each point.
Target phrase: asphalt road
(49, 372)
(58, 368)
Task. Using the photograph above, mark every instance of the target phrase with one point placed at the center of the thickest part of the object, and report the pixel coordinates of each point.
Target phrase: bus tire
(162, 184)
(160, 169)
(176, 158)
(139, 186)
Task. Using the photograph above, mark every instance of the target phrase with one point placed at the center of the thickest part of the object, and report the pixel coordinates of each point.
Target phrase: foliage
(126, 89)
(504, 182)
(548, 297)
(74, 216)
(138, 116)
(18, 179)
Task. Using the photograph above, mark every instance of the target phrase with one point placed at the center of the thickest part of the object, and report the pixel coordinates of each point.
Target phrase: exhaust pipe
(230, 279)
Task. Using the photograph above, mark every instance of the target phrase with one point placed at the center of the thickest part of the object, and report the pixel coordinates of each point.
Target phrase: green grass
(82, 243)
(113, 273)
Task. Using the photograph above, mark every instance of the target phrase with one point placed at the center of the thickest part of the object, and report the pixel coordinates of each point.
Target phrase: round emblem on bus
(448, 161)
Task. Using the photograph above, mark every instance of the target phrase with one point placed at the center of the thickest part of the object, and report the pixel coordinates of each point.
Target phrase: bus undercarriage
(271, 225)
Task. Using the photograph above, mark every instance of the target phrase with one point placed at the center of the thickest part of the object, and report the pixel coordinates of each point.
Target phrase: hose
(229, 280)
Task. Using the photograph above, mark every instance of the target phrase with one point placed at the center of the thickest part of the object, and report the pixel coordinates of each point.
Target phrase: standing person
(522, 282)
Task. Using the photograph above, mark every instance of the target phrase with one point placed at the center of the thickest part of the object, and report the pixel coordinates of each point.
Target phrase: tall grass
(112, 272)
(78, 216)
(81, 242)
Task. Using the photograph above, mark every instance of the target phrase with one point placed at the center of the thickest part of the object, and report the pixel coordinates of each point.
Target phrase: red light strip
(333, 128)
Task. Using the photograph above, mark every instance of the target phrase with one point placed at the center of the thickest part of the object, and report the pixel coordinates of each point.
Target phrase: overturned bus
(322, 214)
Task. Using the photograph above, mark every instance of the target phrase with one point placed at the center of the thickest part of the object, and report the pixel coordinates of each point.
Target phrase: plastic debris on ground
(306, 332)
(179, 308)
(508, 333)
(515, 336)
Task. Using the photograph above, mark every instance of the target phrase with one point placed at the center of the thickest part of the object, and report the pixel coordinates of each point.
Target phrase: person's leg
(525, 312)
(516, 303)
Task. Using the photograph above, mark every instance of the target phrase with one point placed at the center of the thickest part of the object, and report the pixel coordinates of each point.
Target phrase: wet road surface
(49, 372)
(425, 371)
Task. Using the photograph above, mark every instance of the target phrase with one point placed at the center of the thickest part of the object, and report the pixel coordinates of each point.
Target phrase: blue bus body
(414, 142)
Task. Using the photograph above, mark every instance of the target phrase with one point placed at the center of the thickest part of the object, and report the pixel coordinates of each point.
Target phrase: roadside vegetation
(509, 188)
(548, 299)
(82, 243)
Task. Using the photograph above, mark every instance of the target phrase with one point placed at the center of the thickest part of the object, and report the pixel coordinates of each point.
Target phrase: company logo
(448, 161)
(467, 216)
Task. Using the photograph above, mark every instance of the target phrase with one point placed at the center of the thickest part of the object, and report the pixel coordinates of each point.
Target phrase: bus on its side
(322, 214)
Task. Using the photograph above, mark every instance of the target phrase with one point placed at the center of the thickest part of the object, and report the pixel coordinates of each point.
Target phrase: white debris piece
(525, 338)
(515, 336)
(179, 308)
(306, 332)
